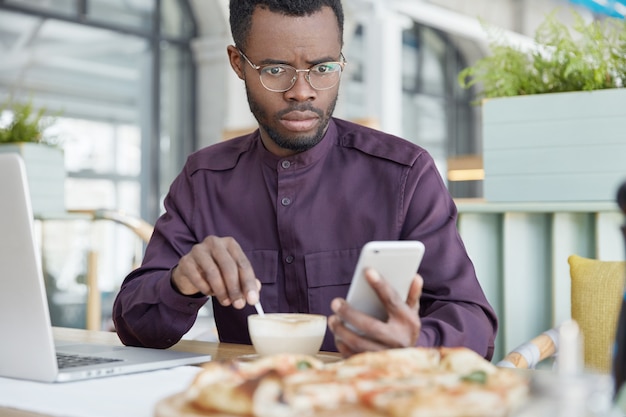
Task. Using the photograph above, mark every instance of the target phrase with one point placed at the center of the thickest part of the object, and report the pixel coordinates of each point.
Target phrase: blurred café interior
(134, 86)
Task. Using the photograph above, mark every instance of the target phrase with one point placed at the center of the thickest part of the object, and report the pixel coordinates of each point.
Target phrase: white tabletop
(125, 395)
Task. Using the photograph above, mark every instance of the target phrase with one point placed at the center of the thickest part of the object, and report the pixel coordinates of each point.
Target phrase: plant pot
(555, 147)
(45, 172)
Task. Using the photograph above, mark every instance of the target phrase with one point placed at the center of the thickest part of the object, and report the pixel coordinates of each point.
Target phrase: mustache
(300, 107)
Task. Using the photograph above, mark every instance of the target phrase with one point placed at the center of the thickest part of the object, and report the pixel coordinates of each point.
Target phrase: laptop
(27, 347)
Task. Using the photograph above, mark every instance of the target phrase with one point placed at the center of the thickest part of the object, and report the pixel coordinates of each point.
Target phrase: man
(282, 213)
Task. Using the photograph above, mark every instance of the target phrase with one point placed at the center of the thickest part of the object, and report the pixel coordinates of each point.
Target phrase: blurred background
(136, 85)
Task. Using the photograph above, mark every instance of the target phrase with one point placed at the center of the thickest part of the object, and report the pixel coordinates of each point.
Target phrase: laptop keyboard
(66, 360)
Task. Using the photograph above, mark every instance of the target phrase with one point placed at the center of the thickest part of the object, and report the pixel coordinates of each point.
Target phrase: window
(436, 113)
(119, 74)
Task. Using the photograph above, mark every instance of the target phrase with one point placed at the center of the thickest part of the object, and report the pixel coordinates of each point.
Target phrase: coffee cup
(275, 333)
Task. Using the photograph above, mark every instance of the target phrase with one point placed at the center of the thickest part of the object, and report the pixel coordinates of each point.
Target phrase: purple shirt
(301, 221)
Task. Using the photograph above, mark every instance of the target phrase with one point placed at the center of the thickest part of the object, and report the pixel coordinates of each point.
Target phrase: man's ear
(234, 57)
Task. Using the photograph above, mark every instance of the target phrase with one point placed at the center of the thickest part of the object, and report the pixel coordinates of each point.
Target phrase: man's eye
(274, 70)
(324, 68)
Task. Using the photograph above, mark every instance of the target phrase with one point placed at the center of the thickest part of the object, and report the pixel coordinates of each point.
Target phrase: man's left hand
(401, 329)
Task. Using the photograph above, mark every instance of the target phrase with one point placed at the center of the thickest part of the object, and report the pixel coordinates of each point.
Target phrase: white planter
(555, 147)
(45, 171)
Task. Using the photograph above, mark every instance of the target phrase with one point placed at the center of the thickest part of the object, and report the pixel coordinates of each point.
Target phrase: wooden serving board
(177, 406)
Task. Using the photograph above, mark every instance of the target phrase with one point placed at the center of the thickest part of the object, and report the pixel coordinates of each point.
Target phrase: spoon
(259, 309)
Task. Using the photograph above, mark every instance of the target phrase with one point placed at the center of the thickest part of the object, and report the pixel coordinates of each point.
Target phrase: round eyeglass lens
(325, 76)
(278, 77)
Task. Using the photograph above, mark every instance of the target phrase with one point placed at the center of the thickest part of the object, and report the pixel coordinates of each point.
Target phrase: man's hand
(401, 329)
(218, 267)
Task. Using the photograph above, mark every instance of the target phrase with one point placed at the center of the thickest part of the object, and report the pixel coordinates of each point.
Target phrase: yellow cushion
(597, 290)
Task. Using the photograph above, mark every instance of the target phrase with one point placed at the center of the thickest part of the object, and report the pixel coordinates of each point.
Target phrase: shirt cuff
(188, 304)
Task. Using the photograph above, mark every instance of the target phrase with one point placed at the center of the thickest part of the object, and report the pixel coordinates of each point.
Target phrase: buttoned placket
(285, 218)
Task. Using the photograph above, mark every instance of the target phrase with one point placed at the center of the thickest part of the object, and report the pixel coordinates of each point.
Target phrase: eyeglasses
(281, 77)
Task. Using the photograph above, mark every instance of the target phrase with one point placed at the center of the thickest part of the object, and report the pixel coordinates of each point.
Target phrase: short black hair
(241, 14)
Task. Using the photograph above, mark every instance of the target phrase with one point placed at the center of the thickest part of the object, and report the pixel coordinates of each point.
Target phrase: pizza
(407, 382)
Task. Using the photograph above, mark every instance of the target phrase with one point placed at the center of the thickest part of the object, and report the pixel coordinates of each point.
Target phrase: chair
(596, 297)
(597, 288)
(142, 229)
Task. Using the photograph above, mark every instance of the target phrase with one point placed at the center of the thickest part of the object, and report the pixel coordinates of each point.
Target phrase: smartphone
(396, 261)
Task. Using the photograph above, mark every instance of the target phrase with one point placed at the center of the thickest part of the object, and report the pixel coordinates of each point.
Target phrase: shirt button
(289, 259)
(285, 201)
(285, 164)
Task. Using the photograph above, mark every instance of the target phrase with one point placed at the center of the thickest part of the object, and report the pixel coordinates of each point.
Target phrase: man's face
(295, 120)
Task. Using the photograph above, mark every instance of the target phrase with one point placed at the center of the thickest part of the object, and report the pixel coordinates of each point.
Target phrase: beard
(292, 143)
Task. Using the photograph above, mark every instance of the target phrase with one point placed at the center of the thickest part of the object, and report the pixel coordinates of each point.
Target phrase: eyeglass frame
(307, 75)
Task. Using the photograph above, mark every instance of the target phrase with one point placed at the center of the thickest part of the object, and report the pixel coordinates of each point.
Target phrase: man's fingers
(237, 281)
(250, 285)
(208, 270)
(347, 341)
(189, 283)
(218, 267)
(415, 292)
(223, 252)
(388, 296)
(346, 314)
(401, 328)
(252, 296)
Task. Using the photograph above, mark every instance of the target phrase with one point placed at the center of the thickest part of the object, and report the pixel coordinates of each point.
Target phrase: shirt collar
(303, 158)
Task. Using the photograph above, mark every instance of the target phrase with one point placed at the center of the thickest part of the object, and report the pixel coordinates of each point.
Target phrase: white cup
(276, 333)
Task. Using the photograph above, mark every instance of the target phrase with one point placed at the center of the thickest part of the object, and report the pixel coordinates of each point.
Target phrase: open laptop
(27, 348)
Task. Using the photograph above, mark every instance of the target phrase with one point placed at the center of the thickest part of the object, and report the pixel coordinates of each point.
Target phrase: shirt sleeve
(453, 308)
(148, 311)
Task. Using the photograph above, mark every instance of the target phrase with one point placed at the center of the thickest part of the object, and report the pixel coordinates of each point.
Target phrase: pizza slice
(409, 382)
(244, 388)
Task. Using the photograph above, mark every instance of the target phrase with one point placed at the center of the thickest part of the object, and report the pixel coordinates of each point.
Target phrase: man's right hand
(218, 267)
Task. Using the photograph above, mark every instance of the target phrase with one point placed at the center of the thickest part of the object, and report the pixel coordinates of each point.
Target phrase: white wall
(521, 16)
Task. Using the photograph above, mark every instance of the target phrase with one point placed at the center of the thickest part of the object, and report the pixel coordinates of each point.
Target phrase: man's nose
(302, 89)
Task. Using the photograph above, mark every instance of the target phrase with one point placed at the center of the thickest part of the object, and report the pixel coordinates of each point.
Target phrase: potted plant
(554, 114)
(25, 132)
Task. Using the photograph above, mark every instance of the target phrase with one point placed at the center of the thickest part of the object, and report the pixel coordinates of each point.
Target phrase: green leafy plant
(27, 124)
(589, 56)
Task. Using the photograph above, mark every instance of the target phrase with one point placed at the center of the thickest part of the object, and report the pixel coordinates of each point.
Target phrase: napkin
(124, 395)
